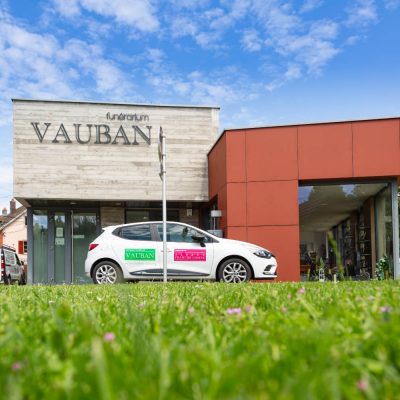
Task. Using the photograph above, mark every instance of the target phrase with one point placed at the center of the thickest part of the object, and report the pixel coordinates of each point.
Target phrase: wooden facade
(52, 164)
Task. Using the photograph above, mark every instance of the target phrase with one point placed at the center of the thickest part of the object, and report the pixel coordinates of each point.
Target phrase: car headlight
(263, 254)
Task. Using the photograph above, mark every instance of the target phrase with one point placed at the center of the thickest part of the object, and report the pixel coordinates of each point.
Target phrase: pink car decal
(189, 255)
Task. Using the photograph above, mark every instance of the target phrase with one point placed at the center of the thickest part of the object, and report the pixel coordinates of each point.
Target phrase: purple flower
(302, 290)
(362, 385)
(385, 310)
(109, 337)
(232, 311)
(190, 310)
(16, 366)
(289, 296)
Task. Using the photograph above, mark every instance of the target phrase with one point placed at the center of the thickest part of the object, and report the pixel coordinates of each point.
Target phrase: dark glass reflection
(345, 229)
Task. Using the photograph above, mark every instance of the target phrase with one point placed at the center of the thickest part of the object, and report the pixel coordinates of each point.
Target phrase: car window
(180, 233)
(136, 232)
(9, 257)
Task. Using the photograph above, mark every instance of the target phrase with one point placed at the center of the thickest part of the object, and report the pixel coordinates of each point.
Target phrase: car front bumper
(264, 268)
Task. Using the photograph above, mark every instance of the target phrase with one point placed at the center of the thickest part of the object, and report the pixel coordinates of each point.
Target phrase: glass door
(84, 231)
(40, 225)
(59, 247)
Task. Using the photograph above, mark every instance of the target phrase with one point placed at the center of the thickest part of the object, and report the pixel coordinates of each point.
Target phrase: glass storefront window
(345, 229)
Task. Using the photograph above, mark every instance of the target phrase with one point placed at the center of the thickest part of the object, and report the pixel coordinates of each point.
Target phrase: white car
(135, 252)
(12, 269)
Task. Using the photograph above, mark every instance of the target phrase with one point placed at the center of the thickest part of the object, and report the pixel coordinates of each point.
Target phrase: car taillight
(3, 267)
(92, 246)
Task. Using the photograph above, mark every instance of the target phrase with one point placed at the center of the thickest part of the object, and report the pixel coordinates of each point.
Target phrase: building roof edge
(113, 103)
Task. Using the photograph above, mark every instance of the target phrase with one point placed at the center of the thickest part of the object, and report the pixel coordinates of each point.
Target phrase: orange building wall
(255, 175)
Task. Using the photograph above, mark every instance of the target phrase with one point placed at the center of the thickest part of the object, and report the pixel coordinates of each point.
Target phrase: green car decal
(140, 254)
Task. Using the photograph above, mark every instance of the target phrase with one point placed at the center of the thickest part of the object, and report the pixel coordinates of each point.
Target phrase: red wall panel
(272, 203)
(283, 242)
(223, 206)
(376, 147)
(217, 168)
(325, 151)
(236, 199)
(271, 154)
(236, 156)
(236, 233)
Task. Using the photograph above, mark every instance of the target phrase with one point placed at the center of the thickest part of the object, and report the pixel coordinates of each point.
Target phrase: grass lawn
(201, 341)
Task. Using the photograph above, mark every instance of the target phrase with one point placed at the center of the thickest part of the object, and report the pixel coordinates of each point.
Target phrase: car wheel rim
(106, 274)
(234, 273)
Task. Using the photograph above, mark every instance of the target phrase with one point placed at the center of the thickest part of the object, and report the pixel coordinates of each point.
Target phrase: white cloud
(362, 13)
(98, 30)
(310, 5)
(218, 87)
(35, 65)
(67, 8)
(251, 40)
(6, 176)
(183, 26)
(138, 14)
(207, 26)
(312, 45)
(6, 182)
(392, 4)
(189, 4)
(292, 71)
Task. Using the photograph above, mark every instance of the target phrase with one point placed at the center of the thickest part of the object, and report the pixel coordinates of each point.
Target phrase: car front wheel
(234, 270)
(107, 273)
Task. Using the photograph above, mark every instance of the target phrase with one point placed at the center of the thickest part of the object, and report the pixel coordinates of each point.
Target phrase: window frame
(210, 239)
(118, 232)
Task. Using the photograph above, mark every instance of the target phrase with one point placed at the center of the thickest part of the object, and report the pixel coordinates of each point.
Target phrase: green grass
(178, 341)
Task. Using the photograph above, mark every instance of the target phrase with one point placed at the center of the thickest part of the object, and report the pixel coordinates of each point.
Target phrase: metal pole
(164, 206)
(395, 229)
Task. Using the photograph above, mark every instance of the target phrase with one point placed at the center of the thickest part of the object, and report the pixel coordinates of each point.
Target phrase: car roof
(153, 222)
(6, 247)
(160, 222)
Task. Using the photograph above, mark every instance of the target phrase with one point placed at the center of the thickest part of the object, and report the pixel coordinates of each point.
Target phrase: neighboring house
(13, 231)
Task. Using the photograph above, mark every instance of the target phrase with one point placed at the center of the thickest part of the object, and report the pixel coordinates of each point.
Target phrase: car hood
(248, 245)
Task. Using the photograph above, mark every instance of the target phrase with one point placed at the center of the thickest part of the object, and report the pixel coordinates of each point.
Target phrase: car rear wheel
(107, 273)
(234, 270)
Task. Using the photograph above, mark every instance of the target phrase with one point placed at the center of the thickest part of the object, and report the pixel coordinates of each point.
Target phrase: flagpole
(163, 175)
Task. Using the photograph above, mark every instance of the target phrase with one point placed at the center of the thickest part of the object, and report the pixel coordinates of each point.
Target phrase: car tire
(8, 280)
(234, 270)
(107, 273)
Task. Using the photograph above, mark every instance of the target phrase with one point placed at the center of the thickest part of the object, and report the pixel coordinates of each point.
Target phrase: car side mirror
(199, 239)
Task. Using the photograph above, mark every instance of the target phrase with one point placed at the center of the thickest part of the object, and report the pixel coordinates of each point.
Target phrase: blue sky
(262, 61)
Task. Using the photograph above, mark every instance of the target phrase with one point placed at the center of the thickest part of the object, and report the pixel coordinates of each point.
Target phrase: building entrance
(60, 243)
